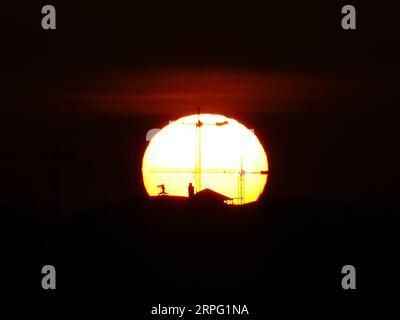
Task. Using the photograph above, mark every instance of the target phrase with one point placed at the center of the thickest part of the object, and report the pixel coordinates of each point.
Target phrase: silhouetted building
(208, 196)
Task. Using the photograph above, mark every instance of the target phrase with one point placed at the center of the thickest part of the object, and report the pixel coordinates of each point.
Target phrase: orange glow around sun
(220, 154)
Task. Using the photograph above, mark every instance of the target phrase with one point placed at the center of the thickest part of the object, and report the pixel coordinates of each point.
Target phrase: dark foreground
(171, 249)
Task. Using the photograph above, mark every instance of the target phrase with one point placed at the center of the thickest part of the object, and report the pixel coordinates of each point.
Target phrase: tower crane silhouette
(198, 162)
(198, 170)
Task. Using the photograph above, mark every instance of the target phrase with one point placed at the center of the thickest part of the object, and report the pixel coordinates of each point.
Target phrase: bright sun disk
(228, 158)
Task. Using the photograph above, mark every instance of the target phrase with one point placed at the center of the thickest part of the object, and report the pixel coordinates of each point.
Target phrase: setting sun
(208, 151)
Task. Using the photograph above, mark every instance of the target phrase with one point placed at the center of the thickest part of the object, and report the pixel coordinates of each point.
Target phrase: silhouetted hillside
(168, 247)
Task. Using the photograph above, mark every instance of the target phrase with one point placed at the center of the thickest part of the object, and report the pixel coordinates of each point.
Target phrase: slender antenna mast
(198, 172)
(241, 182)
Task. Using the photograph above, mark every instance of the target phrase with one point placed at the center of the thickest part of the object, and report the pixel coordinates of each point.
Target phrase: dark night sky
(324, 101)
